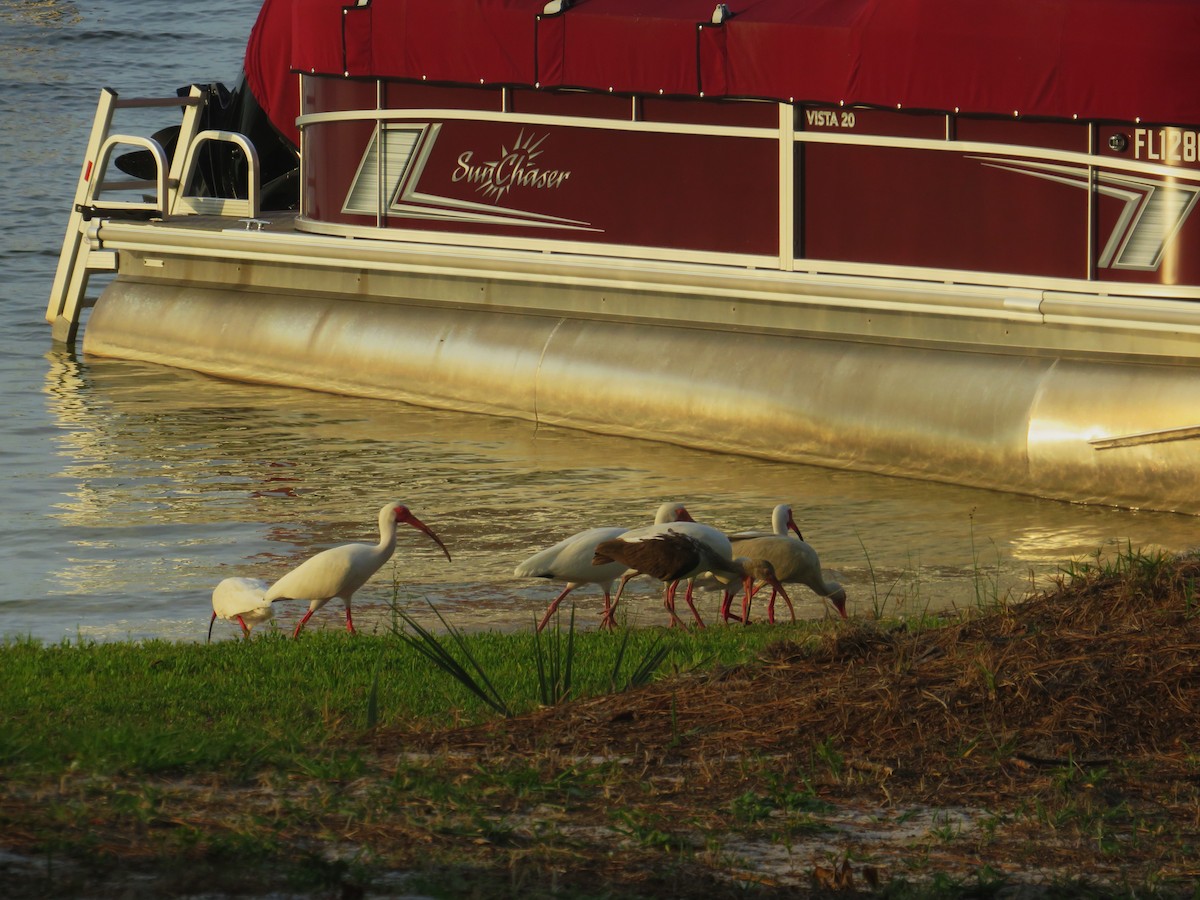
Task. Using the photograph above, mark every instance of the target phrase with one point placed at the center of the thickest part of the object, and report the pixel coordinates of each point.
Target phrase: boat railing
(82, 252)
(155, 205)
(186, 203)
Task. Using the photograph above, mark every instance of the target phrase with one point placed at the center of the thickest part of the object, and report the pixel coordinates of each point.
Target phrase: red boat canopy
(1095, 59)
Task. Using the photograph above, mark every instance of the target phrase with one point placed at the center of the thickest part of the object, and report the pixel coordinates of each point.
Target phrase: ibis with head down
(241, 600)
(795, 562)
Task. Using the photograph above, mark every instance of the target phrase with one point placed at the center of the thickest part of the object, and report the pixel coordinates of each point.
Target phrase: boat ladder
(83, 251)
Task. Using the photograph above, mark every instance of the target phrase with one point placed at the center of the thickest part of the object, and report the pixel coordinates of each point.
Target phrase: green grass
(244, 706)
(232, 764)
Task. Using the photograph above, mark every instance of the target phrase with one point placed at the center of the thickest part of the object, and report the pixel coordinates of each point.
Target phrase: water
(129, 490)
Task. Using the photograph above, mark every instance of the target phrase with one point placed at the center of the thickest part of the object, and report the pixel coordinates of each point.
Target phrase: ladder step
(101, 261)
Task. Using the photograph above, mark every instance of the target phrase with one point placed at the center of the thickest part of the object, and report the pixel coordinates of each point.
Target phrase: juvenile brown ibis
(672, 555)
(711, 537)
(570, 560)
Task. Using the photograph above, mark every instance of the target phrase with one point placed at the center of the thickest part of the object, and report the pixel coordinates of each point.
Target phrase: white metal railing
(219, 206)
(82, 252)
(100, 184)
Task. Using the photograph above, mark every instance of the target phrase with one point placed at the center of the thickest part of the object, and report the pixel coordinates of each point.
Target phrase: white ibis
(795, 562)
(570, 560)
(782, 522)
(241, 600)
(671, 554)
(340, 571)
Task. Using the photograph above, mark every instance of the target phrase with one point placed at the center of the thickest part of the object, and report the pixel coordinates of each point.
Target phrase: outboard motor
(222, 168)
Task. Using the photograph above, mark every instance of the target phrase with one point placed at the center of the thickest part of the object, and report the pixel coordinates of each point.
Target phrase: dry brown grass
(1103, 670)
(1072, 719)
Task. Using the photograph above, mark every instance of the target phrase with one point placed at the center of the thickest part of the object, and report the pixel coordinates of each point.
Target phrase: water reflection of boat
(165, 490)
(847, 233)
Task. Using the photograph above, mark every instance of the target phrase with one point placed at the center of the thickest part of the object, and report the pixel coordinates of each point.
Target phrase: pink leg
(245, 628)
(625, 579)
(608, 620)
(669, 603)
(554, 605)
(300, 624)
(727, 606)
(612, 612)
(349, 623)
(692, 606)
(788, 601)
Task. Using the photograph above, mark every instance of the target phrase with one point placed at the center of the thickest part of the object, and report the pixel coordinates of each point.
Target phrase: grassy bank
(1048, 747)
(159, 707)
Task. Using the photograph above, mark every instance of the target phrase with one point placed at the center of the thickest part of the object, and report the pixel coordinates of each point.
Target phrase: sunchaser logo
(517, 167)
(397, 180)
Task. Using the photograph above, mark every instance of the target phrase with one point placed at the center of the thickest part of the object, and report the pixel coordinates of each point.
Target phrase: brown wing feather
(664, 556)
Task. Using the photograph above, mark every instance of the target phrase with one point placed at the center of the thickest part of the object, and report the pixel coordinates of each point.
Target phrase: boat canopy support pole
(787, 186)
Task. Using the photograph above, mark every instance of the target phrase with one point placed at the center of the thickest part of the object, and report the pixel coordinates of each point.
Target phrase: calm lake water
(128, 491)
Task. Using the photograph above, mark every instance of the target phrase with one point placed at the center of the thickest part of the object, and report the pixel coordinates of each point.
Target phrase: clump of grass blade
(555, 664)
(652, 658)
(469, 674)
(555, 660)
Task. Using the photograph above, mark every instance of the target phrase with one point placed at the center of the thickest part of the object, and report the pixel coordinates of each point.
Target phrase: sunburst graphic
(503, 170)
